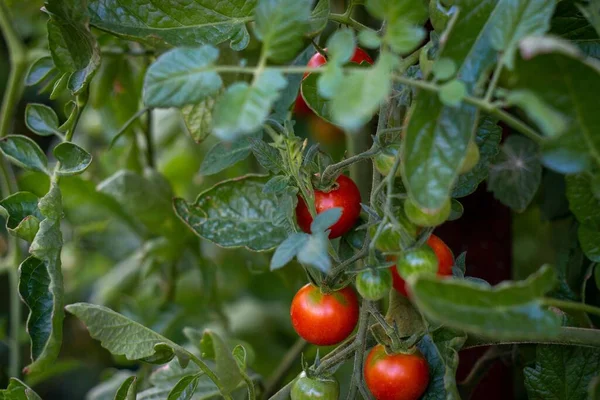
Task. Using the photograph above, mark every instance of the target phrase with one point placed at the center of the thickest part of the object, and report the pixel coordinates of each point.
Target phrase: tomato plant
(396, 376)
(324, 319)
(173, 172)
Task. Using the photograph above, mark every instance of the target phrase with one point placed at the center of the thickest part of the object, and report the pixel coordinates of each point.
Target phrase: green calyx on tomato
(418, 261)
(471, 159)
(384, 161)
(307, 388)
(372, 284)
(425, 218)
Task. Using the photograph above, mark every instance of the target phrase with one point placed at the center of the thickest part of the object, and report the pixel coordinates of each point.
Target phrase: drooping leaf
(185, 388)
(24, 152)
(516, 173)
(225, 154)
(41, 119)
(572, 76)
(127, 390)
(122, 336)
(441, 351)
(198, 119)
(41, 284)
(437, 136)
(243, 108)
(561, 372)
(73, 48)
(487, 138)
(234, 213)
(509, 310)
(178, 24)
(73, 159)
(182, 76)
(280, 26)
(22, 214)
(227, 370)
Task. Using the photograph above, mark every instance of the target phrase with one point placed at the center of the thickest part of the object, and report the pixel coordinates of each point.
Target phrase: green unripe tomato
(424, 62)
(421, 218)
(373, 284)
(391, 239)
(305, 388)
(471, 159)
(384, 161)
(418, 261)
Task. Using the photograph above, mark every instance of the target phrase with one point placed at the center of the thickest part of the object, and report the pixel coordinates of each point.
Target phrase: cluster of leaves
(483, 58)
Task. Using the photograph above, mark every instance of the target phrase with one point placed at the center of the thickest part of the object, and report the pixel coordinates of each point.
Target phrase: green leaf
(243, 108)
(41, 119)
(24, 152)
(590, 242)
(516, 174)
(17, 390)
(225, 154)
(276, 184)
(266, 155)
(281, 25)
(227, 369)
(569, 23)
(453, 93)
(41, 285)
(315, 252)
(185, 388)
(369, 39)
(127, 390)
(23, 215)
(198, 119)
(72, 158)
(178, 24)
(319, 18)
(487, 138)
(324, 220)
(441, 351)
(317, 103)
(122, 336)
(551, 122)
(582, 201)
(107, 389)
(146, 198)
(592, 13)
(234, 213)
(561, 372)
(288, 249)
(40, 69)
(361, 92)
(510, 310)
(182, 76)
(168, 375)
(73, 48)
(574, 79)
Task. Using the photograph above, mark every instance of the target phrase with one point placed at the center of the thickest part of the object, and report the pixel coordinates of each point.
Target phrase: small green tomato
(324, 388)
(422, 218)
(373, 284)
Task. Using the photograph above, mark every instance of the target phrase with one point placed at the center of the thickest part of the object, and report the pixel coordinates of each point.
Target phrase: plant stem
(149, 139)
(567, 336)
(347, 20)
(482, 104)
(361, 345)
(126, 125)
(211, 375)
(287, 362)
(12, 94)
(337, 358)
(571, 305)
(494, 81)
(333, 169)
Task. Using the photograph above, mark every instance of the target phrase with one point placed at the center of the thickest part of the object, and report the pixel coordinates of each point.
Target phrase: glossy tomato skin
(373, 284)
(359, 56)
(324, 319)
(344, 195)
(396, 376)
(305, 388)
(445, 263)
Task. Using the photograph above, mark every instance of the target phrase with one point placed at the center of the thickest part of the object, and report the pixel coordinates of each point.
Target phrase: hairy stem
(567, 336)
(12, 94)
(361, 345)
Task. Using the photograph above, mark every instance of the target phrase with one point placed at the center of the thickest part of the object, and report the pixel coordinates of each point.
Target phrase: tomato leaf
(234, 213)
(288, 249)
(17, 390)
(198, 118)
(41, 119)
(24, 152)
(127, 390)
(40, 69)
(225, 154)
(185, 388)
(182, 76)
(178, 24)
(227, 369)
(590, 242)
(509, 310)
(516, 173)
(326, 219)
(561, 369)
(72, 158)
(22, 214)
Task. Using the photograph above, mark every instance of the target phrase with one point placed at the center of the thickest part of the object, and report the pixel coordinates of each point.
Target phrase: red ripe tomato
(396, 376)
(324, 319)
(445, 263)
(301, 108)
(345, 196)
